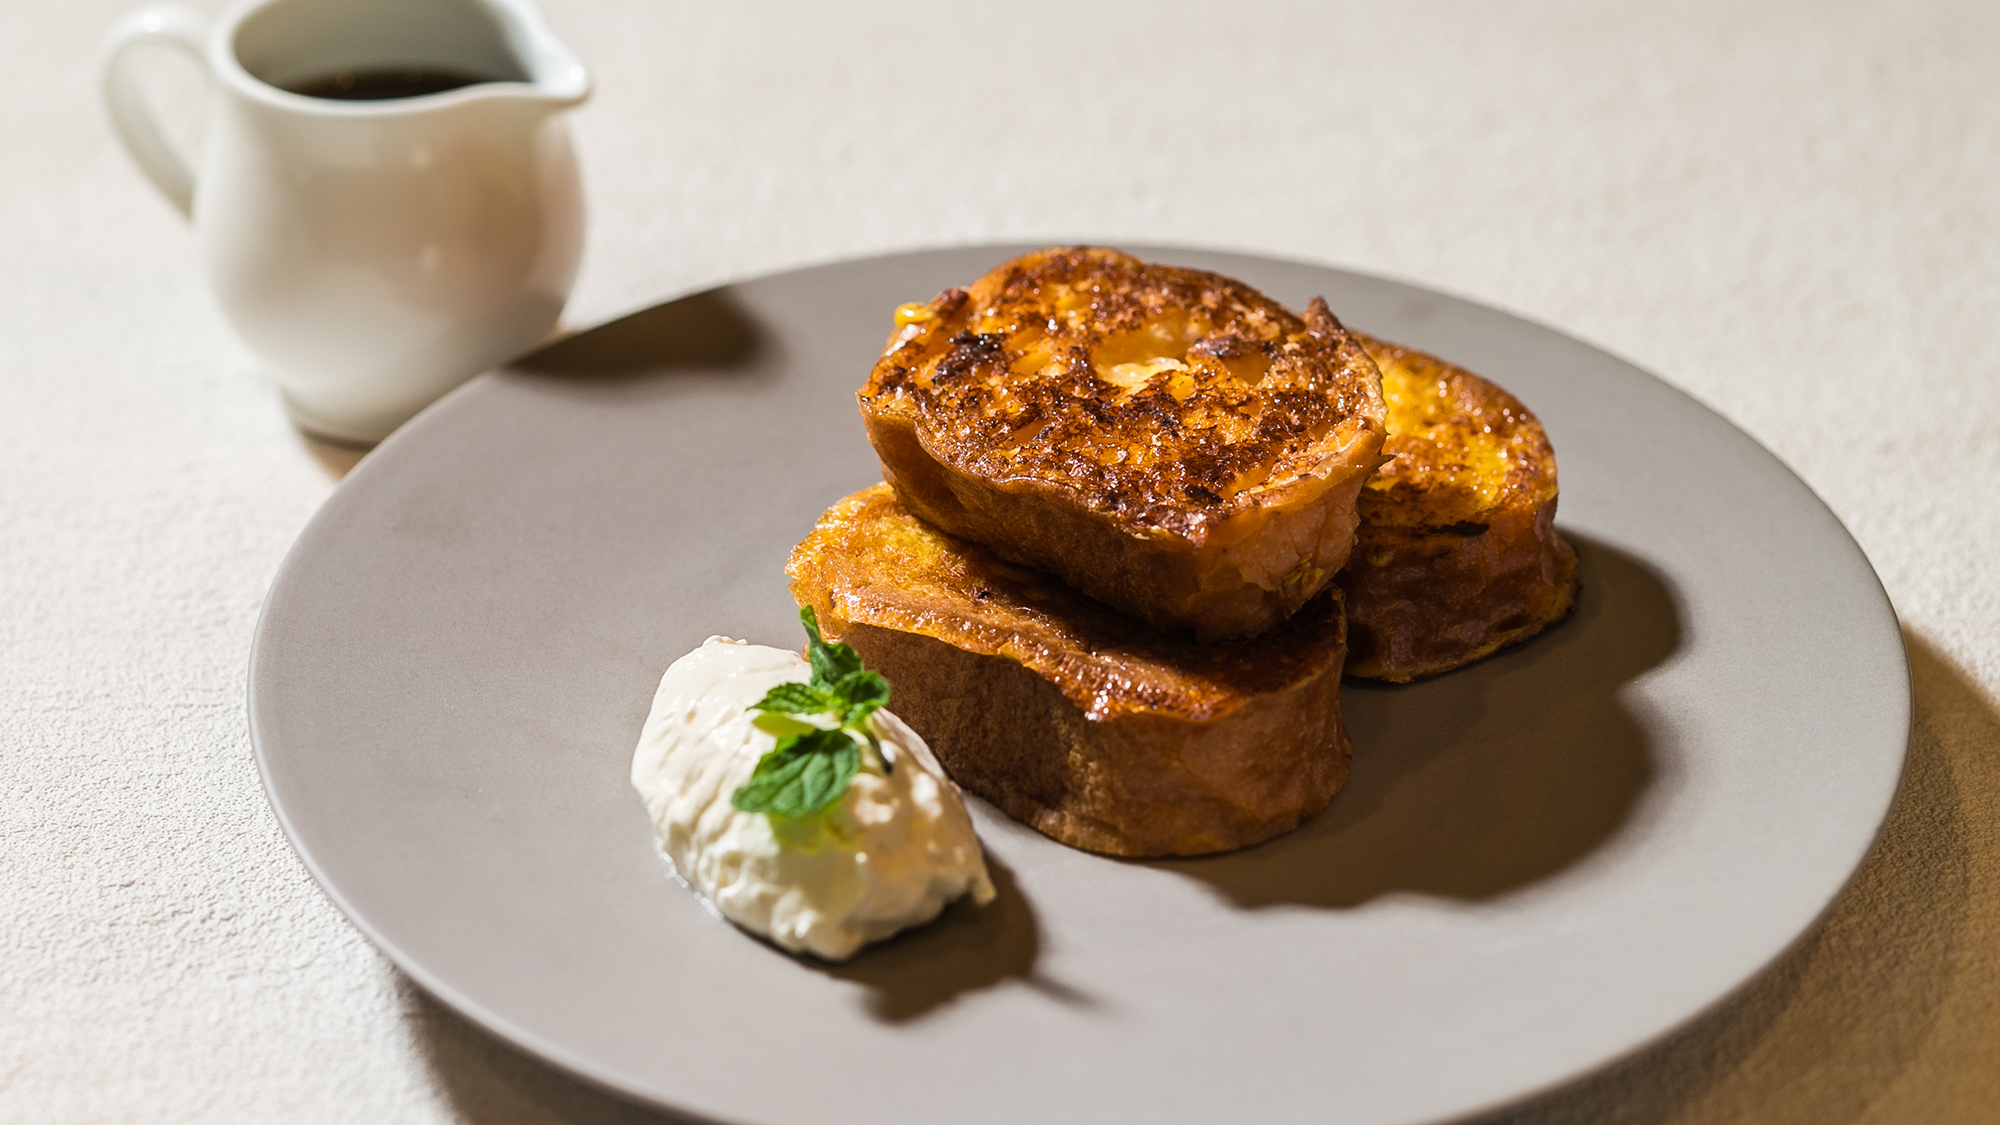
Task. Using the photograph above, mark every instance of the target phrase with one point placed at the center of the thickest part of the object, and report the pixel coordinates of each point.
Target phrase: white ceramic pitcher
(374, 253)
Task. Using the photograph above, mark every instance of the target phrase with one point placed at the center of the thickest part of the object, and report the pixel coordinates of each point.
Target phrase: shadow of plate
(488, 1082)
(1889, 1010)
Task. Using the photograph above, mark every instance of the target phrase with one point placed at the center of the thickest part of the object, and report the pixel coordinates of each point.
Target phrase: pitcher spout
(555, 76)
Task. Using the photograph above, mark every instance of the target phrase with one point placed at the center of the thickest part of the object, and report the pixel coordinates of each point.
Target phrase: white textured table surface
(1791, 210)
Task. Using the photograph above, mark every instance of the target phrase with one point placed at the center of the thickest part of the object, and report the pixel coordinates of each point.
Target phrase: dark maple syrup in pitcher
(375, 84)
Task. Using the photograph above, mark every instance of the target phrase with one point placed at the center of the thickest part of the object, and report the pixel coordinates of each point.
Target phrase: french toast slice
(1457, 554)
(1169, 441)
(1085, 724)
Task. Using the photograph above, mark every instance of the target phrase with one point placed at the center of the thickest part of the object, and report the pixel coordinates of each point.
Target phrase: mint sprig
(811, 768)
(806, 773)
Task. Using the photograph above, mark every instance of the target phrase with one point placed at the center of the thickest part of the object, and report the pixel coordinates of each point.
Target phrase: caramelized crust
(1457, 553)
(1167, 440)
(1092, 728)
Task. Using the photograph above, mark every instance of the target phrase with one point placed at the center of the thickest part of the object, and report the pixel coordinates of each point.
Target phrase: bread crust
(1167, 440)
(1457, 554)
(1091, 727)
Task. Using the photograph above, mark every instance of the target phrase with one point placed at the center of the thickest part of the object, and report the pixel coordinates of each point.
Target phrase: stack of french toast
(1137, 521)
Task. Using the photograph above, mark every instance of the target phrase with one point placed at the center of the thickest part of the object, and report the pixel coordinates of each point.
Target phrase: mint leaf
(778, 725)
(859, 695)
(829, 662)
(802, 775)
(810, 768)
(797, 699)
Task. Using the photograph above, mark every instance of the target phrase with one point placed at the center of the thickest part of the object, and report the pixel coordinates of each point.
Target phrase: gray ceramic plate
(1541, 863)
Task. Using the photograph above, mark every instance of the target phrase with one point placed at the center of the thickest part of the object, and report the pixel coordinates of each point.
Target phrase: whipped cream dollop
(890, 854)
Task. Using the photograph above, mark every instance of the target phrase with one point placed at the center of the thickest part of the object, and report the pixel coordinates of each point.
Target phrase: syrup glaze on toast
(1091, 727)
(1167, 440)
(1457, 553)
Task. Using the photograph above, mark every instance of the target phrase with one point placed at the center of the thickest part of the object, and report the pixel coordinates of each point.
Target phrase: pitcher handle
(169, 25)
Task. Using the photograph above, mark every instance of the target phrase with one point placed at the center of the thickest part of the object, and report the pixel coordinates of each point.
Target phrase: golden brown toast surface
(1168, 440)
(1077, 720)
(1457, 553)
